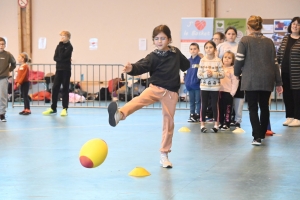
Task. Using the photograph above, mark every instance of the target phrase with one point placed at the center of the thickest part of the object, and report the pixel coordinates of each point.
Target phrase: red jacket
(23, 74)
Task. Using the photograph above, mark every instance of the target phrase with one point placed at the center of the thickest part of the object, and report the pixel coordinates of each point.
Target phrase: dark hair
(195, 44)
(232, 54)
(222, 36)
(293, 20)
(210, 42)
(231, 28)
(161, 28)
(3, 40)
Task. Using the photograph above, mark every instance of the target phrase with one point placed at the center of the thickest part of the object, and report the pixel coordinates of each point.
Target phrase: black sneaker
(256, 142)
(197, 117)
(232, 123)
(237, 125)
(22, 112)
(224, 128)
(2, 118)
(203, 130)
(214, 130)
(191, 119)
(220, 126)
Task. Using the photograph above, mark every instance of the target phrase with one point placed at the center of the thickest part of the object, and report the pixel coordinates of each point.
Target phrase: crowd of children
(209, 79)
(219, 87)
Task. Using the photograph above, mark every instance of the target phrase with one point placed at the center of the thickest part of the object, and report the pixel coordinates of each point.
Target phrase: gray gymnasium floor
(39, 159)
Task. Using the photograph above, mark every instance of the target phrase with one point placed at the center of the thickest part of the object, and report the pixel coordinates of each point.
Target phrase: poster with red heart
(198, 30)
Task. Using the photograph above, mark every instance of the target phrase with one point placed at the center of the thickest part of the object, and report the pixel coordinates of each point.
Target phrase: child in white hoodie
(229, 85)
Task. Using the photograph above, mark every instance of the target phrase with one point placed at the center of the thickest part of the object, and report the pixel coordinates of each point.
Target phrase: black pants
(214, 104)
(61, 77)
(225, 108)
(24, 93)
(291, 98)
(259, 124)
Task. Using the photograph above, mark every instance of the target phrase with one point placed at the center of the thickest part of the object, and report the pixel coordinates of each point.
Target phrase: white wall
(9, 25)
(118, 24)
(267, 9)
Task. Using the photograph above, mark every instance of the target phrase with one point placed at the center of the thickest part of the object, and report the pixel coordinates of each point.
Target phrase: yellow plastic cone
(184, 129)
(239, 130)
(139, 171)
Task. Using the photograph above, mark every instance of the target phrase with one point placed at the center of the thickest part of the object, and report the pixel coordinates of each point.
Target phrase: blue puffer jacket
(191, 80)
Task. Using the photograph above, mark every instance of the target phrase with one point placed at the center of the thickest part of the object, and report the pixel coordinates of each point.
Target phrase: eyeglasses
(160, 38)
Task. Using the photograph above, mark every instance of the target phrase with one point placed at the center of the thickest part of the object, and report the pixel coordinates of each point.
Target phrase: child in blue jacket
(192, 83)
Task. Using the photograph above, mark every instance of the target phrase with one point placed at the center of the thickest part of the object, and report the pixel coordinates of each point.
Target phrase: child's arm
(127, 67)
(12, 62)
(184, 63)
(240, 59)
(234, 84)
(63, 52)
(140, 67)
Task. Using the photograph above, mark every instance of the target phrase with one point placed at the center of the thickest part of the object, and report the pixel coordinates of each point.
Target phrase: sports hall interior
(39, 155)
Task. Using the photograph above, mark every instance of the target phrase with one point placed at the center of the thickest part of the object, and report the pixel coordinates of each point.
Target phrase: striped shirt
(294, 61)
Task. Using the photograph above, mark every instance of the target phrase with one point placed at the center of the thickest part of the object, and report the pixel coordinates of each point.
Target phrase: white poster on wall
(42, 43)
(267, 28)
(142, 44)
(93, 43)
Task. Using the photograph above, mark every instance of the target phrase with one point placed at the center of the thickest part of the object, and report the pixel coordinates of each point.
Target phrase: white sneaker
(256, 142)
(287, 121)
(114, 114)
(164, 161)
(294, 123)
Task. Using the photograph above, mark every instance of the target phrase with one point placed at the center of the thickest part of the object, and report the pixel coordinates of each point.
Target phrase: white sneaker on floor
(256, 142)
(287, 121)
(294, 123)
(164, 161)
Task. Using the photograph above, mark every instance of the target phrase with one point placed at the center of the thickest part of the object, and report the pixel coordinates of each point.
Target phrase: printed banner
(220, 25)
(198, 30)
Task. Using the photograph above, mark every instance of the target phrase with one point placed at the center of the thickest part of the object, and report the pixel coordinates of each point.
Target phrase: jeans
(194, 97)
(238, 109)
(259, 124)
